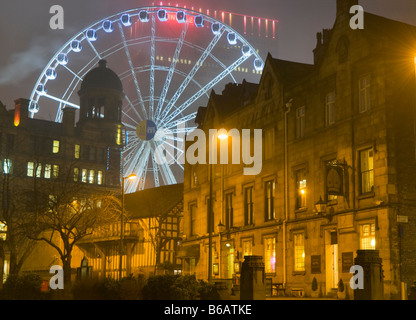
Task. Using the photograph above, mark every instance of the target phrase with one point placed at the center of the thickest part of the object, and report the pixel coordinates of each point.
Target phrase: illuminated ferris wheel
(168, 59)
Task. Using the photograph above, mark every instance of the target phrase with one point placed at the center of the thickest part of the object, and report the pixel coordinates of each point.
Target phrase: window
(91, 176)
(55, 171)
(248, 205)
(7, 166)
(367, 170)
(55, 146)
(364, 93)
(270, 255)
(100, 177)
(9, 142)
(38, 170)
(300, 122)
(330, 109)
(84, 175)
(299, 252)
(269, 188)
(30, 169)
(300, 189)
(194, 177)
(77, 151)
(47, 172)
(193, 212)
(247, 247)
(368, 236)
(268, 144)
(76, 174)
(91, 155)
(229, 210)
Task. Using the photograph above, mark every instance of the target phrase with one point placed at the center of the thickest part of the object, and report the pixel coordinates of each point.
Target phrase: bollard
(373, 289)
(252, 285)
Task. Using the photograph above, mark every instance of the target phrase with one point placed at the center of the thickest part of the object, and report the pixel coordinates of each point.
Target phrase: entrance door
(230, 263)
(331, 260)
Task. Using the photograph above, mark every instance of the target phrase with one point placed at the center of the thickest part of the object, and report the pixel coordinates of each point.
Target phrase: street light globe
(132, 176)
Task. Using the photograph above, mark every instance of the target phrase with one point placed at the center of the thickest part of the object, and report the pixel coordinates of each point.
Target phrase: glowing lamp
(320, 206)
(16, 121)
(181, 16)
(108, 26)
(91, 35)
(76, 46)
(216, 28)
(126, 20)
(50, 74)
(232, 38)
(143, 16)
(199, 21)
(62, 59)
(162, 15)
(258, 65)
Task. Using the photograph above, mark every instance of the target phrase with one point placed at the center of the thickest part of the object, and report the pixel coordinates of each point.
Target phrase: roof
(290, 71)
(153, 202)
(102, 78)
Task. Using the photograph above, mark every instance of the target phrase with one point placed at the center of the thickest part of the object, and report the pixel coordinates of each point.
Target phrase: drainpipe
(286, 195)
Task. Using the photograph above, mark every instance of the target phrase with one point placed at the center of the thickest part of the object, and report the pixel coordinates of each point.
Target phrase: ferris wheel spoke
(65, 102)
(155, 171)
(129, 117)
(152, 66)
(166, 172)
(192, 73)
(178, 122)
(133, 108)
(172, 69)
(208, 87)
(133, 73)
(94, 49)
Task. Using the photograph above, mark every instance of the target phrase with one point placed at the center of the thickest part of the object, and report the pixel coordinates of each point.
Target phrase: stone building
(338, 169)
(85, 146)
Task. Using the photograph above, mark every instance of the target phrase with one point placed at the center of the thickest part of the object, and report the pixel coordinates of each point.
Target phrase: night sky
(28, 43)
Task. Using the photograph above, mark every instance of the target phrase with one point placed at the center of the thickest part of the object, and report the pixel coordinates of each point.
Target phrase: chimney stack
(21, 112)
(68, 120)
(344, 6)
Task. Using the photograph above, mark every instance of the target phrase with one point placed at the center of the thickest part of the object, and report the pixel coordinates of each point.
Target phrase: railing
(113, 232)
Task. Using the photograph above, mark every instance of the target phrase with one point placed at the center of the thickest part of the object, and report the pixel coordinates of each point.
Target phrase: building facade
(337, 133)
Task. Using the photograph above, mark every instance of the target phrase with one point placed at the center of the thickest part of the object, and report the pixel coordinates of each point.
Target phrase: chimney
(21, 112)
(344, 6)
(68, 120)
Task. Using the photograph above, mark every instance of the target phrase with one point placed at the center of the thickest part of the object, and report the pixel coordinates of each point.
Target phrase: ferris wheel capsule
(232, 38)
(33, 107)
(181, 16)
(76, 46)
(246, 50)
(108, 26)
(216, 28)
(199, 21)
(50, 74)
(258, 65)
(143, 16)
(41, 90)
(162, 15)
(62, 59)
(91, 35)
(126, 20)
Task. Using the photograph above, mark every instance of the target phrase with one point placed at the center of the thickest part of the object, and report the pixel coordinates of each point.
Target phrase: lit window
(193, 212)
(38, 170)
(364, 93)
(7, 166)
(84, 175)
(55, 146)
(99, 177)
(300, 122)
(91, 176)
(270, 254)
(300, 189)
(30, 169)
(330, 109)
(3, 231)
(368, 236)
(248, 205)
(367, 170)
(229, 211)
(299, 252)
(77, 152)
(55, 171)
(47, 172)
(247, 247)
(269, 212)
(76, 174)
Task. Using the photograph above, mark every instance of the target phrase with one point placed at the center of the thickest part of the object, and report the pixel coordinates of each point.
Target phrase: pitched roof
(289, 71)
(154, 201)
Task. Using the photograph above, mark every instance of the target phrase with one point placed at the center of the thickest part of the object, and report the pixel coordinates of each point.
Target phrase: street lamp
(222, 135)
(221, 229)
(130, 177)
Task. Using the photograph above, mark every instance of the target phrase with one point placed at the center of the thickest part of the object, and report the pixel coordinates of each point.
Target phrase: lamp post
(222, 136)
(221, 229)
(130, 177)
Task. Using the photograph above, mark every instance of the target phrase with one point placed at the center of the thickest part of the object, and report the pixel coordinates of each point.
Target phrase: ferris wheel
(168, 59)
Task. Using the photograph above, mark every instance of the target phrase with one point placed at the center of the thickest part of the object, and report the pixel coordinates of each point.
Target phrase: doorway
(331, 260)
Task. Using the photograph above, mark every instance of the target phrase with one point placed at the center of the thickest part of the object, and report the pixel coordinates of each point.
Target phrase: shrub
(341, 285)
(314, 284)
(23, 287)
